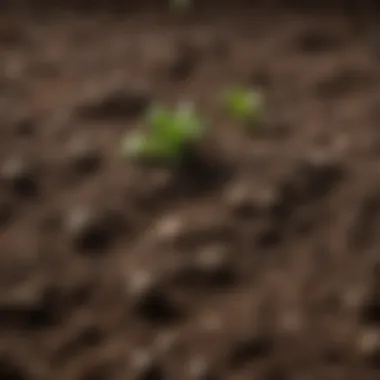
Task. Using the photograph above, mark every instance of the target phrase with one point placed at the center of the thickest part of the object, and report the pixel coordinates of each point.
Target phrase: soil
(258, 261)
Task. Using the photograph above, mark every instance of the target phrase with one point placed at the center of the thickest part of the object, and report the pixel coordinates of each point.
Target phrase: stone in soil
(369, 347)
(20, 176)
(210, 268)
(151, 302)
(83, 159)
(92, 230)
(146, 366)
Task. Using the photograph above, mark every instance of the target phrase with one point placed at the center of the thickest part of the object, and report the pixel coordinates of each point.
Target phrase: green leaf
(175, 126)
(139, 145)
(158, 119)
(169, 134)
(244, 105)
(190, 123)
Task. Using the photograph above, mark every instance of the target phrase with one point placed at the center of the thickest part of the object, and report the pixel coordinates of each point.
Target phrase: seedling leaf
(143, 146)
(170, 133)
(244, 105)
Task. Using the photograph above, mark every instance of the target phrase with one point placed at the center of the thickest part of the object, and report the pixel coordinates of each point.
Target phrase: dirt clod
(199, 369)
(151, 302)
(90, 230)
(369, 346)
(147, 368)
(21, 177)
(211, 267)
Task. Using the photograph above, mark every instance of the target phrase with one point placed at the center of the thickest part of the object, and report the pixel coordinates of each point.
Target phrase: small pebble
(140, 359)
(211, 321)
(139, 281)
(89, 230)
(209, 268)
(369, 346)
(214, 267)
(151, 302)
(212, 258)
(83, 158)
(246, 202)
(199, 369)
(206, 231)
(167, 342)
(321, 162)
(146, 367)
(238, 198)
(47, 312)
(21, 176)
(196, 367)
(22, 297)
(291, 322)
(314, 176)
(168, 228)
(353, 299)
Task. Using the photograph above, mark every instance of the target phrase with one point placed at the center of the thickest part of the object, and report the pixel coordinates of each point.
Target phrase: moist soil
(258, 260)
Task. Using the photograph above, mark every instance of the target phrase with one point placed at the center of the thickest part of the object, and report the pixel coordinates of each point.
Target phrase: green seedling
(244, 105)
(140, 146)
(170, 134)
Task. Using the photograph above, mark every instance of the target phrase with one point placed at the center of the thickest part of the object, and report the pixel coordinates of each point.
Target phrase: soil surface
(261, 261)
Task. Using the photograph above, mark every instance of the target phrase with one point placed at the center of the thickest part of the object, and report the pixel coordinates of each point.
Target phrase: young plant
(244, 105)
(170, 135)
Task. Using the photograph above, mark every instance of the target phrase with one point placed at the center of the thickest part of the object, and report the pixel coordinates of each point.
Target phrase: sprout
(140, 146)
(175, 126)
(245, 105)
(170, 134)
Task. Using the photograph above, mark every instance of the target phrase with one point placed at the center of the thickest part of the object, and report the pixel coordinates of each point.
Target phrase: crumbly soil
(260, 260)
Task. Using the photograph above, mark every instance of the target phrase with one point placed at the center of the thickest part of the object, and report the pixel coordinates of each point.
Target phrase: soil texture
(259, 260)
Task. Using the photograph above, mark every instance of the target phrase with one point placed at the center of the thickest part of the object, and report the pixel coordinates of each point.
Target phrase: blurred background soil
(260, 263)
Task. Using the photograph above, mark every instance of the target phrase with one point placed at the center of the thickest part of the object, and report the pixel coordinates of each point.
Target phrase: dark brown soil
(260, 262)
